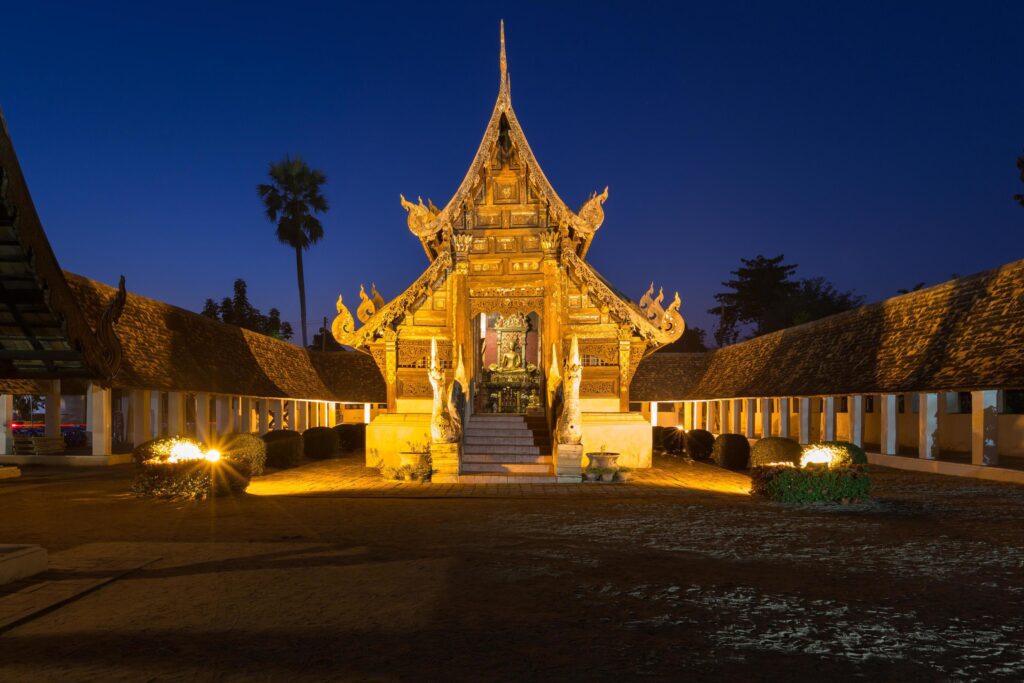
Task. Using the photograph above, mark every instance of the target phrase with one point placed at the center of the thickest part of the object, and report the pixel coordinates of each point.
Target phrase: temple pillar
(830, 418)
(222, 406)
(856, 407)
(928, 426)
(332, 413)
(737, 416)
(784, 418)
(289, 407)
(984, 427)
(888, 436)
(751, 411)
(140, 416)
(301, 414)
(766, 418)
(723, 417)
(175, 413)
(366, 413)
(52, 425)
(97, 418)
(245, 417)
(202, 416)
(264, 415)
(625, 337)
(391, 369)
(805, 420)
(6, 418)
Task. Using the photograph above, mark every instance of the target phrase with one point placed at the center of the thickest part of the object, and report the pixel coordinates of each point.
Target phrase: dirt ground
(654, 579)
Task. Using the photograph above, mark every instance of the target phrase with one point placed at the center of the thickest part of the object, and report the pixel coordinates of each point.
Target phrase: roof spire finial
(502, 63)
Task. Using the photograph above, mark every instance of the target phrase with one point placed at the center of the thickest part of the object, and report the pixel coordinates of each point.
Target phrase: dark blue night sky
(872, 143)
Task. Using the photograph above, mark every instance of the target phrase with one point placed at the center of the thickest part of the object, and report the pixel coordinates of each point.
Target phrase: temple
(506, 297)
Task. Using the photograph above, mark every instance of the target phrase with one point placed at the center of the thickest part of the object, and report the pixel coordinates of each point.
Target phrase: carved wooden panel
(524, 266)
(416, 353)
(480, 245)
(598, 387)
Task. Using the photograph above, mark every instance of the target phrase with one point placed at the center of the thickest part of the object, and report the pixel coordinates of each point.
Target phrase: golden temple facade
(507, 289)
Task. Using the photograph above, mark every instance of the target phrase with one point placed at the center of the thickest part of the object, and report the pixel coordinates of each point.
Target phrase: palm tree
(291, 201)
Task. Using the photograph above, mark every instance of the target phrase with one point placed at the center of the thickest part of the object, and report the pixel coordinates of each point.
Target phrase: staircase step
(518, 419)
(478, 431)
(524, 439)
(504, 458)
(499, 449)
(506, 468)
(501, 478)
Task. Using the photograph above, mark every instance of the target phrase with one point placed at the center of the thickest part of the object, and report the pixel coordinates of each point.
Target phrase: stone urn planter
(409, 458)
(603, 460)
(591, 475)
(624, 474)
(608, 475)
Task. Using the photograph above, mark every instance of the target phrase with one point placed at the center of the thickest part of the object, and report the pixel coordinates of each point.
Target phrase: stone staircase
(507, 449)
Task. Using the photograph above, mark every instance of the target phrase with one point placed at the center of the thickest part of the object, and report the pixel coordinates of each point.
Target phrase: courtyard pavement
(326, 573)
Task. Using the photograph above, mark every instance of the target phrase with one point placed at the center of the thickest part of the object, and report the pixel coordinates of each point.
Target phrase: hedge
(284, 448)
(351, 437)
(320, 442)
(699, 443)
(844, 453)
(811, 484)
(731, 451)
(247, 448)
(658, 438)
(674, 441)
(189, 479)
(775, 449)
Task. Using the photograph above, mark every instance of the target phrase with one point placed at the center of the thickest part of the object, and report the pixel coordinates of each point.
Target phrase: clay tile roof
(961, 335)
(171, 349)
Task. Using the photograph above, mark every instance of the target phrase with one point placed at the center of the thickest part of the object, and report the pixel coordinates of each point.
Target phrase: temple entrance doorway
(509, 374)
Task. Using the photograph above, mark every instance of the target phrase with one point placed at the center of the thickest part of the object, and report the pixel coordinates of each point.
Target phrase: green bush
(811, 484)
(351, 437)
(674, 441)
(160, 448)
(658, 437)
(320, 442)
(157, 477)
(775, 449)
(284, 448)
(699, 443)
(246, 448)
(844, 453)
(731, 451)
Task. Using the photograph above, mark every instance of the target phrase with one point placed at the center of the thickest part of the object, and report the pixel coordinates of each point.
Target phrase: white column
(694, 415)
(830, 419)
(222, 404)
(888, 417)
(301, 413)
(723, 417)
(332, 413)
(264, 418)
(53, 409)
(97, 417)
(984, 427)
(928, 426)
(366, 413)
(751, 410)
(6, 417)
(277, 410)
(140, 416)
(766, 417)
(784, 417)
(654, 413)
(202, 416)
(245, 420)
(175, 413)
(154, 414)
(805, 420)
(856, 406)
(737, 416)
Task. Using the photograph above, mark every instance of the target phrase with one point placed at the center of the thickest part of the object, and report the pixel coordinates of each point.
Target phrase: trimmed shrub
(843, 453)
(658, 437)
(773, 450)
(157, 477)
(160, 448)
(811, 484)
(674, 441)
(284, 448)
(351, 437)
(731, 451)
(247, 448)
(320, 442)
(699, 443)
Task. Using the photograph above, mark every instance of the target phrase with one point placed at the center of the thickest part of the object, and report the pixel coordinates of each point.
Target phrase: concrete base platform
(66, 460)
(9, 472)
(21, 561)
(954, 469)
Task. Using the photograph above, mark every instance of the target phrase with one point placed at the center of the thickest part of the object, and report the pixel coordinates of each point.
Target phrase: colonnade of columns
(152, 414)
(817, 420)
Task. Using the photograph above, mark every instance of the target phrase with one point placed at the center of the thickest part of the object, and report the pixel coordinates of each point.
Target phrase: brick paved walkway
(349, 477)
